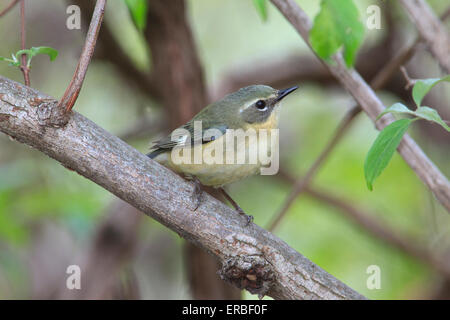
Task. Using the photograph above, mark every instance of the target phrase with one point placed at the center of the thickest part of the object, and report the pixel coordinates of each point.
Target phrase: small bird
(254, 107)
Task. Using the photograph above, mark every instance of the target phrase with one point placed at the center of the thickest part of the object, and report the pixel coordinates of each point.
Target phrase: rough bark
(252, 258)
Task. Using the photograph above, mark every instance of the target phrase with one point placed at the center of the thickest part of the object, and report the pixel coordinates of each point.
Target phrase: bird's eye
(260, 104)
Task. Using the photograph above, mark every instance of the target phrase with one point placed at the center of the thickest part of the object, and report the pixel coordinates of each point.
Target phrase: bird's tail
(155, 153)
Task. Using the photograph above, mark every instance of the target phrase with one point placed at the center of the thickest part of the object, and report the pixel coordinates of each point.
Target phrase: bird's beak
(284, 92)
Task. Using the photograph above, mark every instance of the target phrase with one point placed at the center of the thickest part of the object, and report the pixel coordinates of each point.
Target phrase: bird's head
(253, 106)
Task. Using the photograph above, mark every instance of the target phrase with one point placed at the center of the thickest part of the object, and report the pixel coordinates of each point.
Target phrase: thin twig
(303, 182)
(72, 91)
(23, 65)
(108, 49)
(281, 272)
(431, 29)
(409, 82)
(8, 8)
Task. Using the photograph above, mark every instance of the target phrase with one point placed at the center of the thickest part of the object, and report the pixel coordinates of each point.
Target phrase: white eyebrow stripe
(249, 104)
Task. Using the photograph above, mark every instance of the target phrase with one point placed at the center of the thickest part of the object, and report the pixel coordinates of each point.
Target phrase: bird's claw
(196, 195)
(249, 217)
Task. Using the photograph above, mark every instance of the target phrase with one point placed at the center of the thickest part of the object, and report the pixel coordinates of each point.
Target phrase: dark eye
(260, 104)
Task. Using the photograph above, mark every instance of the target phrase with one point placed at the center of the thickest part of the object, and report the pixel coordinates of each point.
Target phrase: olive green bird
(254, 107)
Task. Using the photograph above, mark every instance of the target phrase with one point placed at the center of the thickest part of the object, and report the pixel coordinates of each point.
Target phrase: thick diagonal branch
(252, 258)
(371, 104)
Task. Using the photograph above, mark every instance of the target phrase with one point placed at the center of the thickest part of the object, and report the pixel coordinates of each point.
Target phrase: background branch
(378, 229)
(23, 64)
(371, 104)
(431, 30)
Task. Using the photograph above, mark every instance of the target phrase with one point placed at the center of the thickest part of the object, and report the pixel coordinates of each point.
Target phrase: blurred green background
(49, 215)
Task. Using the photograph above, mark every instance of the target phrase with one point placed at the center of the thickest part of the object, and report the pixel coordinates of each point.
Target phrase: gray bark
(252, 258)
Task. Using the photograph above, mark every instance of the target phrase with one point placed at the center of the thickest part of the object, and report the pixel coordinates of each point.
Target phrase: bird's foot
(236, 206)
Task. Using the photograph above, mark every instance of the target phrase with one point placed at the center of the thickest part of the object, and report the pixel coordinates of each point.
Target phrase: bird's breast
(221, 162)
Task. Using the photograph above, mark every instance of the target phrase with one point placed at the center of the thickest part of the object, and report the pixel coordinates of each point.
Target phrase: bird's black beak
(284, 92)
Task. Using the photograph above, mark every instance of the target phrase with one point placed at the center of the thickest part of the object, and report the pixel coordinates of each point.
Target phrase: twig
(8, 8)
(108, 49)
(302, 183)
(276, 269)
(380, 80)
(23, 65)
(371, 104)
(431, 30)
(409, 82)
(380, 230)
(72, 91)
(445, 15)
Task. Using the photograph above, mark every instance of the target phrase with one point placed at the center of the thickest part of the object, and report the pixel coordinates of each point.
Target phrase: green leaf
(261, 7)
(337, 25)
(383, 149)
(138, 11)
(398, 108)
(52, 53)
(423, 86)
(431, 115)
(425, 113)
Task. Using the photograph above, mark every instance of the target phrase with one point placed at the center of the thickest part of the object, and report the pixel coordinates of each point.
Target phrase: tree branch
(378, 82)
(252, 258)
(72, 91)
(371, 104)
(431, 30)
(8, 7)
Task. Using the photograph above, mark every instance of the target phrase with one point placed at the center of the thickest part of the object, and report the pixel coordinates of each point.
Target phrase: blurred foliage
(337, 24)
(35, 190)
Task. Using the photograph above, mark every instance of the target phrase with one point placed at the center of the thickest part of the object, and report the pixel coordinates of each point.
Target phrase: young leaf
(336, 25)
(261, 7)
(52, 53)
(423, 86)
(398, 108)
(138, 11)
(431, 115)
(33, 51)
(383, 149)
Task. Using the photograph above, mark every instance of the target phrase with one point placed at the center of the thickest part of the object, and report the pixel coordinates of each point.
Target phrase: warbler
(251, 109)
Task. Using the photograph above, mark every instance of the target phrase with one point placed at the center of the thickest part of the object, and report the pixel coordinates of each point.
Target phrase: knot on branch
(252, 273)
(49, 114)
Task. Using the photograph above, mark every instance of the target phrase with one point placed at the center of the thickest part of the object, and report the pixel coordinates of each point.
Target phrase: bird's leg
(197, 193)
(236, 206)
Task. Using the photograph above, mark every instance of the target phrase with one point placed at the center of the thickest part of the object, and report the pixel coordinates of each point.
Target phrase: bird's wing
(192, 137)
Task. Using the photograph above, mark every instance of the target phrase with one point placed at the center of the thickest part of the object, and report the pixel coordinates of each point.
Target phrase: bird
(253, 109)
